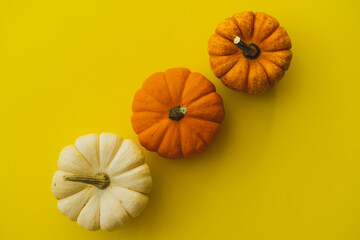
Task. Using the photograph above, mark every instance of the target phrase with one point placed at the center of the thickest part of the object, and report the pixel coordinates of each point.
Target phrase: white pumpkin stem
(249, 50)
(101, 180)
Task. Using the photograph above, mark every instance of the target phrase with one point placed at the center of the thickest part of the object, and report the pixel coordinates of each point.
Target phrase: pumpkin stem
(177, 113)
(101, 180)
(249, 50)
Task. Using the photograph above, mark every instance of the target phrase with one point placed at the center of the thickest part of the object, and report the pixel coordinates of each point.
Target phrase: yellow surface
(285, 166)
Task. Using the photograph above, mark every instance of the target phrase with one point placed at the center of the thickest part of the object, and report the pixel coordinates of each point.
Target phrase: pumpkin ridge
(148, 93)
(280, 36)
(91, 167)
(183, 87)
(188, 133)
(75, 192)
(151, 117)
(125, 170)
(223, 37)
(179, 130)
(278, 50)
(123, 205)
(267, 75)
(205, 91)
(114, 171)
(201, 138)
(247, 76)
(247, 38)
(182, 91)
(253, 27)
(209, 107)
(205, 143)
(95, 196)
(212, 113)
(205, 120)
(98, 153)
(85, 202)
(163, 141)
(61, 165)
(274, 62)
(122, 215)
(152, 126)
(236, 23)
(213, 38)
(181, 145)
(214, 55)
(81, 186)
(167, 86)
(95, 166)
(235, 62)
(146, 111)
(197, 99)
(162, 136)
(113, 156)
(269, 35)
(236, 57)
(226, 40)
(267, 17)
(117, 184)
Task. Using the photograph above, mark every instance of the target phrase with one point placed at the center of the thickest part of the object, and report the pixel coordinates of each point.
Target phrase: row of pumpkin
(103, 180)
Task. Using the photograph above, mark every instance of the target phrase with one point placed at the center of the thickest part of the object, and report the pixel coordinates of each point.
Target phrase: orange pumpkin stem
(177, 113)
(249, 50)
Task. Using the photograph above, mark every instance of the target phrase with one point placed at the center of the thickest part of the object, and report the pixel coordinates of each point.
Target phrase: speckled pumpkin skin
(252, 76)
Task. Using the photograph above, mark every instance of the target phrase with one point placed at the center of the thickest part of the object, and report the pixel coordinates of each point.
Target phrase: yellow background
(285, 166)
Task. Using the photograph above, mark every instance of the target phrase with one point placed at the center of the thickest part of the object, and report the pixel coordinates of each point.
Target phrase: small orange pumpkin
(177, 113)
(250, 52)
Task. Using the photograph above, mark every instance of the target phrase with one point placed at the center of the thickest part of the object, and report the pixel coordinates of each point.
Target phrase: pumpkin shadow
(249, 112)
(248, 122)
(140, 224)
(242, 111)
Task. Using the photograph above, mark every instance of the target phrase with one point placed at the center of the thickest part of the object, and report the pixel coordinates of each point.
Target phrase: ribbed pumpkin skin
(190, 135)
(252, 76)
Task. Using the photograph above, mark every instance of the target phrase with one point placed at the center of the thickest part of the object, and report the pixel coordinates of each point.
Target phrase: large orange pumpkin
(250, 52)
(177, 113)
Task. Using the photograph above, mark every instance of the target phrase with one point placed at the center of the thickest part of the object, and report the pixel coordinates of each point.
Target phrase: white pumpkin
(102, 181)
